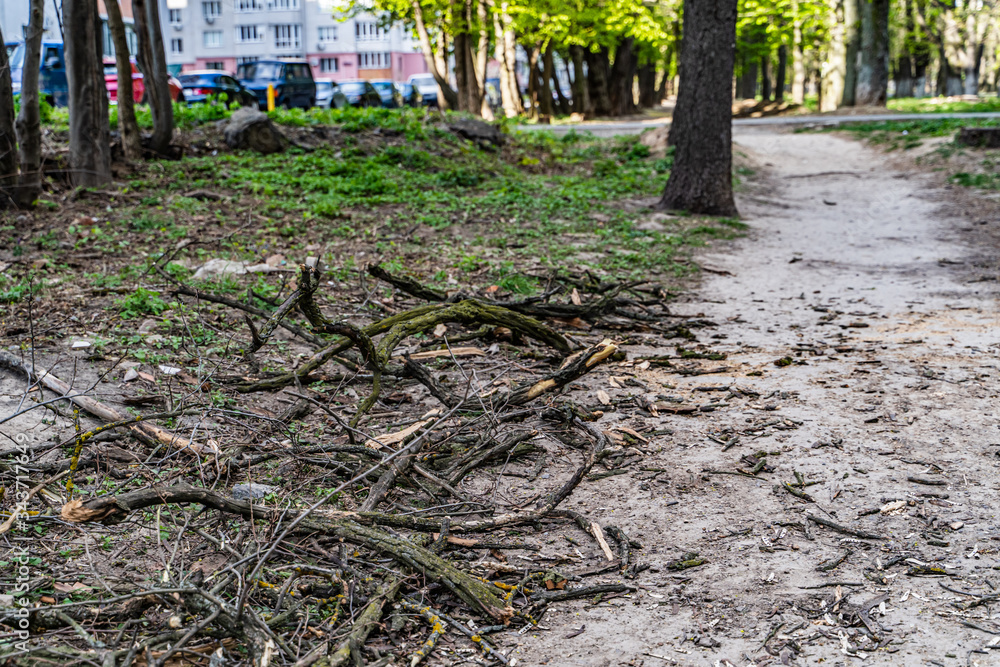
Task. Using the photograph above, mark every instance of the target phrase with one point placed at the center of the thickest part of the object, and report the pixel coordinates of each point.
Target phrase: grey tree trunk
(505, 54)
(623, 78)
(765, 78)
(852, 44)
(581, 91)
(128, 128)
(544, 75)
(562, 104)
(8, 151)
(155, 77)
(873, 74)
(647, 86)
(701, 178)
(781, 76)
(832, 83)
(798, 60)
(598, 71)
(89, 150)
(904, 77)
(29, 121)
(447, 97)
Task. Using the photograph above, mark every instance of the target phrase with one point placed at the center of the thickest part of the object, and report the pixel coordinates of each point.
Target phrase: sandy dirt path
(887, 399)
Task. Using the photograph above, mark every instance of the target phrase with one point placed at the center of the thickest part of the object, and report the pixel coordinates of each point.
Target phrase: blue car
(292, 80)
(52, 84)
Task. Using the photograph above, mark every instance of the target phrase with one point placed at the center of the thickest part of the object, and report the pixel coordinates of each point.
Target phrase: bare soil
(858, 321)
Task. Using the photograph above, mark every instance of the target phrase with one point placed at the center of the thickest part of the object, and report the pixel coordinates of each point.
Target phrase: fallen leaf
(47, 600)
(613, 383)
(440, 330)
(148, 377)
(69, 588)
(575, 298)
(492, 288)
(603, 397)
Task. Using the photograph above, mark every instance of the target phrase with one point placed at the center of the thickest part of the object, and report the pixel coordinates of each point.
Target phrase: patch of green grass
(907, 134)
(943, 105)
(984, 181)
(140, 303)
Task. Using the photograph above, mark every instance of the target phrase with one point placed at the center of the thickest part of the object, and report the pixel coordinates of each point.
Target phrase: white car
(427, 86)
(328, 95)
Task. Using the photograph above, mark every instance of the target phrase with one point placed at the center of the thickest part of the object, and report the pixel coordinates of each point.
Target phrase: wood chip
(457, 351)
(595, 528)
(603, 397)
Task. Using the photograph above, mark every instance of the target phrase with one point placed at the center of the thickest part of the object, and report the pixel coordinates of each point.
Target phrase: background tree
(873, 73)
(8, 151)
(153, 62)
(701, 178)
(89, 150)
(128, 128)
(29, 121)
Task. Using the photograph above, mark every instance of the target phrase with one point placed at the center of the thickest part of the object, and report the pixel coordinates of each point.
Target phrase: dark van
(292, 80)
(52, 85)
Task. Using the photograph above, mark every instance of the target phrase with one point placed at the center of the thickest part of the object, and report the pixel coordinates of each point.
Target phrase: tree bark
(581, 91)
(597, 78)
(8, 151)
(89, 150)
(447, 97)
(544, 87)
(798, 59)
(482, 59)
(873, 75)
(647, 86)
(701, 178)
(765, 78)
(748, 79)
(904, 76)
(553, 82)
(852, 47)
(29, 121)
(623, 78)
(128, 128)
(833, 78)
(781, 76)
(155, 77)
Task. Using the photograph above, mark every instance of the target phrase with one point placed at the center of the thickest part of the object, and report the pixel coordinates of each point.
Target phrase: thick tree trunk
(748, 79)
(89, 150)
(8, 149)
(462, 52)
(552, 79)
(781, 76)
(765, 78)
(29, 121)
(973, 54)
(798, 60)
(701, 178)
(647, 86)
(852, 49)
(598, 71)
(581, 91)
(623, 78)
(873, 74)
(156, 79)
(505, 54)
(904, 76)
(436, 63)
(482, 58)
(128, 128)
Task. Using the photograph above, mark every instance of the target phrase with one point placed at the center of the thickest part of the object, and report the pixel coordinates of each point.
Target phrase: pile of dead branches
(400, 543)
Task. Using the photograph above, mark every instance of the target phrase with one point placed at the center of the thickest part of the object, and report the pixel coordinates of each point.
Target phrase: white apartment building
(221, 34)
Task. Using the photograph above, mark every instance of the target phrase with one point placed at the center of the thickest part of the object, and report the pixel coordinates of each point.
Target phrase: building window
(374, 61)
(328, 65)
(288, 36)
(368, 30)
(249, 33)
(246, 60)
(328, 33)
(175, 17)
(248, 5)
(212, 9)
(176, 46)
(215, 64)
(213, 39)
(284, 4)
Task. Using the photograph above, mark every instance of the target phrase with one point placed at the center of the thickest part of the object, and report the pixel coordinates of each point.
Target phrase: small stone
(6, 601)
(252, 491)
(958, 525)
(130, 374)
(147, 326)
(79, 344)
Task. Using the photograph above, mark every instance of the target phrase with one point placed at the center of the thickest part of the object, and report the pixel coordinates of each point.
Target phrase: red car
(138, 88)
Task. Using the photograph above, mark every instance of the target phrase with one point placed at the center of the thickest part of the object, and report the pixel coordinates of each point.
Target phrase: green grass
(942, 105)
(907, 134)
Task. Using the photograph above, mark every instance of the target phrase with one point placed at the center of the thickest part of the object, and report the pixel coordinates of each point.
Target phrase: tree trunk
(904, 77)
(852, 48)
(581, 91)
(781, 76)
(623, 78)
(155, 77)
(505, 54)
(647, 86)
(543, 75)
(765, 78)
(89, 152)
(553, 80)
(29, 121)
(748, 79)
(833, 78)
(128, 128)
(663, 89)
(8, 149)
(598, 71)
(973, 54)
(461, 50)
(798, 60)
(482, 59)
(436, 63)
(701, 179)
(873, 75)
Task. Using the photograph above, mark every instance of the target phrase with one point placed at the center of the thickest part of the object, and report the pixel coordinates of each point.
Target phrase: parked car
(138, 83)
(427, 86)
(329, 95)
(52, 85)
(388, 93)
(10, 46)
(292, 80)
(360, 94)
(215, 85)
(411, 96)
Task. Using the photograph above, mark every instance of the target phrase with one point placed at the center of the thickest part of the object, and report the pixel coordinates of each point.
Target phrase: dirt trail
(852, 274)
